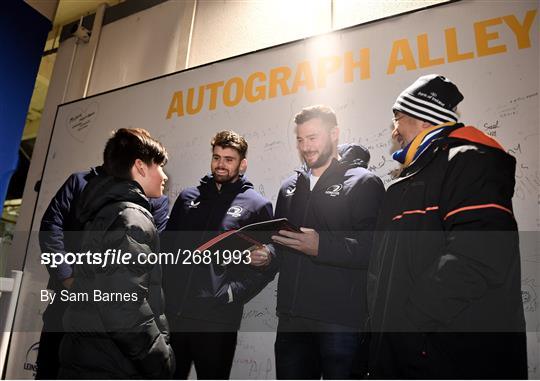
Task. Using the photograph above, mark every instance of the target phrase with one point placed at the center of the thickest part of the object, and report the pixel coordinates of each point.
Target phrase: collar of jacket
(99, 170)
(104, 190)
(419, 144)
(304, 171)
(351, 156)
(428, 152)
(208, 188)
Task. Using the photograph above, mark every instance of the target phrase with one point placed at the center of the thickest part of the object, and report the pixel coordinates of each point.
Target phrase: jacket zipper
(297, 278)
(190, 275)
(318, 185)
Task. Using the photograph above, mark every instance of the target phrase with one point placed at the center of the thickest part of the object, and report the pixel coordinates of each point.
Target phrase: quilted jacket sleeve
(134, 326)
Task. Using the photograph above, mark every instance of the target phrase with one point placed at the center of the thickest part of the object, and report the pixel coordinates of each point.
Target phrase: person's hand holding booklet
(249, 236)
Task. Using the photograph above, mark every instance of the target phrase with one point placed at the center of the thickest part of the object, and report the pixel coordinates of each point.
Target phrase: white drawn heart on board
(80, 121)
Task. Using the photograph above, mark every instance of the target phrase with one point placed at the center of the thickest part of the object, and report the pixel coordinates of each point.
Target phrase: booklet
(256, 234)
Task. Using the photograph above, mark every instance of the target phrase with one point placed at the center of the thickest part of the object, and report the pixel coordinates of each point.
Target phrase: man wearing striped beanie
(429, 104)
(444, 277)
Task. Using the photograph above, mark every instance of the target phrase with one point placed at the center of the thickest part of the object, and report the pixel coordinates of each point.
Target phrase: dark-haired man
(444, 278)
(60, 232)
(321, 291)
(117, 329)
(205, 302)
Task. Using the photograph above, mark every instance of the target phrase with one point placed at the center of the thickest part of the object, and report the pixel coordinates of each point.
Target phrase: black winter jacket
(59, 231)
(199, 292)
(127, 337)
(342, 208)
(446, 254)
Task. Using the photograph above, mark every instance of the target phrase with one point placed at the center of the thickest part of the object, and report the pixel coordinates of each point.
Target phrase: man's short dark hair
(127, 145)
(230, 139)
(325, 113)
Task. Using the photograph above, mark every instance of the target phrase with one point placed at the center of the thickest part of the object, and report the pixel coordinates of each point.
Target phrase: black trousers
(48, 363)
(446, 355)
(309, 349)
(212, 354)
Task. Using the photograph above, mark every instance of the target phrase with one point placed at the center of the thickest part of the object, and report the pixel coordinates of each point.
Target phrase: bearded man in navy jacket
(322, 283)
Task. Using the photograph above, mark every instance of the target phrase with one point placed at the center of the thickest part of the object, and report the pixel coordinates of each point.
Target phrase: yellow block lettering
(239, 84)
(213, 87)
(483, 37)
(260, 91)
(278, 77)
(349, 65)
(326, 65)
(401, 47)
(452, 51)
(521, 31)
(176, 105)
(303, 77)
(190, 96)
(424, 59)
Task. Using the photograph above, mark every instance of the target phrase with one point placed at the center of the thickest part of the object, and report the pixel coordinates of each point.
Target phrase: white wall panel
(353, 12)
(227, 28)
(138, 47)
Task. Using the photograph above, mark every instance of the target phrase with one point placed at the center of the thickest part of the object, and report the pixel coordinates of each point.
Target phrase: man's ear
(334, 134)
(243, 166)
(426, 125)
(140, 167)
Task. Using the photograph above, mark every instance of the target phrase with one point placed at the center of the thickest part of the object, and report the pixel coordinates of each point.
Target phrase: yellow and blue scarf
(415, 148)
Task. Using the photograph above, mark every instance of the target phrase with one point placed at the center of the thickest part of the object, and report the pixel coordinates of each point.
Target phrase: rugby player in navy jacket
(204, 302)
(322, 282)
(60, 233)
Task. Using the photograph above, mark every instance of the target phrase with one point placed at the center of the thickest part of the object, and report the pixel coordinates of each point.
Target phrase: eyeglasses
(394, 119)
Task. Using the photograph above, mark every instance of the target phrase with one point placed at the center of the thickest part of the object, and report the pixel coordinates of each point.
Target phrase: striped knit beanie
(431, 98)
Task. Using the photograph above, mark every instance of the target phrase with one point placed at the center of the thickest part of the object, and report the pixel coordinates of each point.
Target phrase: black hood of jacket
(208, 188)
(103, 190)
(353, 155)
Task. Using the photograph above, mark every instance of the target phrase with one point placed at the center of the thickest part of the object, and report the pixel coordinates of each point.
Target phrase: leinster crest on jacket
(333, 190)
(235, 211)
